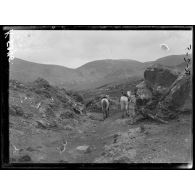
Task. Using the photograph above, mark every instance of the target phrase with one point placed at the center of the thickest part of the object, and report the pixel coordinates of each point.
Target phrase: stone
(44, 124)
(169, 93)
(41, 124)
(85, 148)
(178, 92)
(159, 75)
(143, 92)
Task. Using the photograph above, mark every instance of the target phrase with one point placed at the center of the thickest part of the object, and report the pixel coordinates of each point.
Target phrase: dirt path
(160, 143)
(96, 135)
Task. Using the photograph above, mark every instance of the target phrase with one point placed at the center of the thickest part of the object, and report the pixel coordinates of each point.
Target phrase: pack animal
(124, 105)
(105, 107)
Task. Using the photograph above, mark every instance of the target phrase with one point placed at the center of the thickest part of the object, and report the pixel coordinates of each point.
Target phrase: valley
(49, 123)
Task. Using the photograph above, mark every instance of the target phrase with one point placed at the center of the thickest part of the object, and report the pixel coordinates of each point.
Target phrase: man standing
(131, 105)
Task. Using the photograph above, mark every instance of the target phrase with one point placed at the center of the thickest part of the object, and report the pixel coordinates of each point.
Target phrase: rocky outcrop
(158, 77)
(175, 98)
(168, 93)
(39, 113)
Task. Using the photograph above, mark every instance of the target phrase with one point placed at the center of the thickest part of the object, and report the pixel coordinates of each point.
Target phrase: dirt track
(167, 143)
(158, 143)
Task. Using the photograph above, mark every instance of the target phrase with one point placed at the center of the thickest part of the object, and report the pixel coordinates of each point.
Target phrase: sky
(75, 48)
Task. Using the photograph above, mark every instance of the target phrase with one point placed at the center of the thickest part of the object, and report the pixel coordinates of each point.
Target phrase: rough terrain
(48, 124)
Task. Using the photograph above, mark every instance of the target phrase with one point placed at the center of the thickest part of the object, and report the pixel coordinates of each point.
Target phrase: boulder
(44, 124)
(178, 92)
(159, 77)
(175, 98)
(85, 148)
(142, 91)
(169, 93)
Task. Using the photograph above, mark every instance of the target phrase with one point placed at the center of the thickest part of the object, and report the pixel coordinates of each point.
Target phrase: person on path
(131, 105)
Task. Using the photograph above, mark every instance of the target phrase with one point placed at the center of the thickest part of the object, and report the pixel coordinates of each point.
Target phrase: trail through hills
(55, 131)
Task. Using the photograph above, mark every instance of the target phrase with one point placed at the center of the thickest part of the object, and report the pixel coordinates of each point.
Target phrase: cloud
(164, 47)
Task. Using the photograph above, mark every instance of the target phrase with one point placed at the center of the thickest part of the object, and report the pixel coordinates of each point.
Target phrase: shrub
(42, 83)
(76, 96)
(67, 114)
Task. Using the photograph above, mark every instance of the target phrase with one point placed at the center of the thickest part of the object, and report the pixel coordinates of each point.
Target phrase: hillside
(41, 114)
(25, 71)
(90, 75)
(103, 72)
(172, 60)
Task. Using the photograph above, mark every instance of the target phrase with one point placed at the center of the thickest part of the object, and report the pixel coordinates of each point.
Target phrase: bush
(67, 114)
(76, 96)
(42, 83)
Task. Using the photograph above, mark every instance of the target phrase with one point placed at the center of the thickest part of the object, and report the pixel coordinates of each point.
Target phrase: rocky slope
(40, 113)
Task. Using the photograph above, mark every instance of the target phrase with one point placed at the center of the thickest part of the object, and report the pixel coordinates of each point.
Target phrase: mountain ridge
(90, 74)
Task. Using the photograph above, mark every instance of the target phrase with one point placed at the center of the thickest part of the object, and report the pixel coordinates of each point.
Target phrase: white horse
(105, 107)
(124, 105)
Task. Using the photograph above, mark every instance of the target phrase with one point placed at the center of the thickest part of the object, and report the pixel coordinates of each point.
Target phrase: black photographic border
(4, 137)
